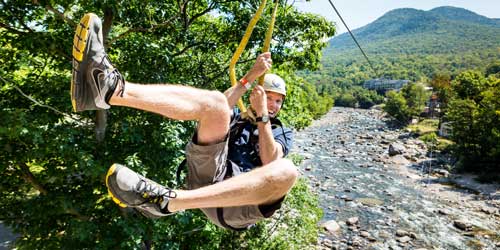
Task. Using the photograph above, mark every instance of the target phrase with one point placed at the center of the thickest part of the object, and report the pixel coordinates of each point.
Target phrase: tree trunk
(102, 115)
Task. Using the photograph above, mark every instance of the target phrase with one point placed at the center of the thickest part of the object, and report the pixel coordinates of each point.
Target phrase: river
(377, 201)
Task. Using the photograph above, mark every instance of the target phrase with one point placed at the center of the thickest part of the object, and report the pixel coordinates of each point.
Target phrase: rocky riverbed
(381, 188)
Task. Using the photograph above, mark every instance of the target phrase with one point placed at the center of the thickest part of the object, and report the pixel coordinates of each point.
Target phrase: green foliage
(397, 107)
(469, 85)
(493, 68)
(407, 103)
(473, 113)
(52, 185)
(441, 84)
(416, 96)
(303, 103)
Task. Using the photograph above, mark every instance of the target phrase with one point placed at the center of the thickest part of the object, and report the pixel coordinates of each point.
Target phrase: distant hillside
(410, 31)
(407, 44)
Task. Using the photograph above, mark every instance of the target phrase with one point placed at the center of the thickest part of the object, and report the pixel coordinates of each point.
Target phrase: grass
(427, 130)
(425, 126)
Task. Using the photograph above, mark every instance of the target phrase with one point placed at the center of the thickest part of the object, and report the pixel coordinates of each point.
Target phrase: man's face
(274, 102)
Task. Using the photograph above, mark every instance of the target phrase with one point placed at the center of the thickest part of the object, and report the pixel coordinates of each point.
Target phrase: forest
(54, 161)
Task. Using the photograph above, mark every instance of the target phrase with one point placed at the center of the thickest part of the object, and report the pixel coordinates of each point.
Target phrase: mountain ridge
(447, 29)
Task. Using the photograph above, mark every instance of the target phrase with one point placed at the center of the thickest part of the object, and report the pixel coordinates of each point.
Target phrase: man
(235, 179)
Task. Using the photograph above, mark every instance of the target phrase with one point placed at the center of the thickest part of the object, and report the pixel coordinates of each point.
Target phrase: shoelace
(118, 78)
(114, 75)
(153, 192)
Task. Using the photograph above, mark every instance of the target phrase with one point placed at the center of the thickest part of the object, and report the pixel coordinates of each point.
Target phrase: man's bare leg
(263, 185)
(179, 102)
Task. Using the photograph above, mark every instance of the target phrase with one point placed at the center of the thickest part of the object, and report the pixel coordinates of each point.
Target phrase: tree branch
(13, 30)
(57, 13)
(30, 178)
(187, 48)
(140, 29)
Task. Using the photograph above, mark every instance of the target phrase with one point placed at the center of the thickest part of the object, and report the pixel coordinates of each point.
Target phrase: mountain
(440, 30)
(409, 44)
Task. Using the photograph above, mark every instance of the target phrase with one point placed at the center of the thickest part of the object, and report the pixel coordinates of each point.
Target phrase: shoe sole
(112, 170)
(79, 48)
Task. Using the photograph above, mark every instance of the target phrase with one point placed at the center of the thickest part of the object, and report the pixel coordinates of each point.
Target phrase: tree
(469, 85)
(53, 168)
(476, 122)
(493, 68)
(397, 107)
(416, 97)
(441, 84)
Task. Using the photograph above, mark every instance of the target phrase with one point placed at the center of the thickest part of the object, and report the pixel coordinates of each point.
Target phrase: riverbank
(382, 189)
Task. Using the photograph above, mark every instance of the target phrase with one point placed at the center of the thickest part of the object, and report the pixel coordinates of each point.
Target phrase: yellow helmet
(274, 83)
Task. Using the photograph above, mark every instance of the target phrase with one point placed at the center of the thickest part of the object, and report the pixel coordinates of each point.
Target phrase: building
(384, 85)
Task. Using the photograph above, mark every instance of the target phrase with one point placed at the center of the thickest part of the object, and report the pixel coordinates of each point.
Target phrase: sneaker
(130, 189)
(94, 79)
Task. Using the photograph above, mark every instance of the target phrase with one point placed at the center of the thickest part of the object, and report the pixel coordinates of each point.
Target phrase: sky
(358, 13)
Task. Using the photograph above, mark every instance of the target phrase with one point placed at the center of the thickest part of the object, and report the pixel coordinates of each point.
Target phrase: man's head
(276, 91)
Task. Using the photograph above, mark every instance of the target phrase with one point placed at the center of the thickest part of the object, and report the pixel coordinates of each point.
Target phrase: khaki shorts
(208, 165)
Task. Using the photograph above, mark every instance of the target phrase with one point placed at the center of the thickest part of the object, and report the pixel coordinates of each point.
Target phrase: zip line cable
(354, 38)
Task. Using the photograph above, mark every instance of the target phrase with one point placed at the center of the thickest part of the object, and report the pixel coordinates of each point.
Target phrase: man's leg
(261, 186)
(179, 102)
(96, 84)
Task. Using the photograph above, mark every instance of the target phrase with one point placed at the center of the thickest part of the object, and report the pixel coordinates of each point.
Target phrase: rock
(443, 211)
(346, 198)
(398, 160)
(413, 235)
(402, 233)
(331, 226)
(384, 234)
(442, 172)
(396, 149)
(352, 221)
(462, 225)
(488, 210)
(370, 201)
(308, 168)
(404, 239)
(327, 242)
(364, 234)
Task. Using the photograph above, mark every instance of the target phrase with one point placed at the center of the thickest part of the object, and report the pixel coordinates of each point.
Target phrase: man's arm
(261, 65)
(269, 149)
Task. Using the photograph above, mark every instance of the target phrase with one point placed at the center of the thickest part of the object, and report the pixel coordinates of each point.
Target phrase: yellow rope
(269, 36)
(241, 47)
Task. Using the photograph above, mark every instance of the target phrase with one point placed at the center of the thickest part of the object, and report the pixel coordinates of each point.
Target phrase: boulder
(402, 233)
(364, 234)
(331, 226)
(396, 149)
(462, 225)
(404, 239)
(352, 221)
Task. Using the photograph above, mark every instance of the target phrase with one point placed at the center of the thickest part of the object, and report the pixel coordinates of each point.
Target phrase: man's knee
(216, 104)
(283, 174)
